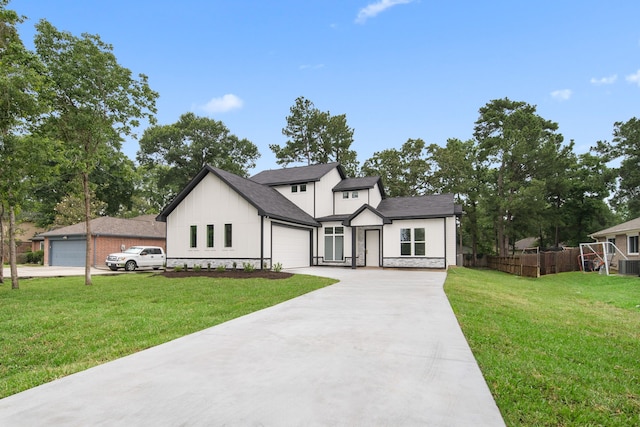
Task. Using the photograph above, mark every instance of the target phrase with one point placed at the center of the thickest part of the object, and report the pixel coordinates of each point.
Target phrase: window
(334, 244)
(412, 242)
(228, 241)
(294, 188)
(210, 235)
(632, 247)
(303, 188)
(354, 195)
(193, 239)
(345, 194)
(611, 248)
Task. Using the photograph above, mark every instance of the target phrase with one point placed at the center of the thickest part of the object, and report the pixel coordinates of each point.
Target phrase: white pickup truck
(137, 256)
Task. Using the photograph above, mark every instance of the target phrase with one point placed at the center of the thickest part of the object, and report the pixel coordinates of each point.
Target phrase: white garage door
(290, 247)
(68, 253)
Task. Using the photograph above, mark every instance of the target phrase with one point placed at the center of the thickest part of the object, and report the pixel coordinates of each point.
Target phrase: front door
(372, 248)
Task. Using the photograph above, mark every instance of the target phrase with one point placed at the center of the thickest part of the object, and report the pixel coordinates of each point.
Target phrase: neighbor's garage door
(290, 247)
(68, 253)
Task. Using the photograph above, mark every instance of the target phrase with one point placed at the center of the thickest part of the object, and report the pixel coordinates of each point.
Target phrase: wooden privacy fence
(538, 264)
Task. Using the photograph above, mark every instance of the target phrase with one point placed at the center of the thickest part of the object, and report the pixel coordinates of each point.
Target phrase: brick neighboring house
(625, 236)
(66, 246)
(24, 232)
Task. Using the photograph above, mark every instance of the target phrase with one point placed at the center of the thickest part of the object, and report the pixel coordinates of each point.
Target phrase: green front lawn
(561, 350)
(50, 328)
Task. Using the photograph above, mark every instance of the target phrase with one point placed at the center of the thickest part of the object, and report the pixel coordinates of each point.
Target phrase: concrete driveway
(379, 348)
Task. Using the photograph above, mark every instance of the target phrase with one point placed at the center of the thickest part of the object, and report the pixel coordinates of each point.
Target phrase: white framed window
(228, 235)
(193, 236)
(354, 195)
(210, 236)
(294, 188)
(303, 188)
(334, 244)
(345, 194)
(413, 242)
(632, 244)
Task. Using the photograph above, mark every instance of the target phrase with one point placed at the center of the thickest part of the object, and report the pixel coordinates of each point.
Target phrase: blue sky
(398, 69)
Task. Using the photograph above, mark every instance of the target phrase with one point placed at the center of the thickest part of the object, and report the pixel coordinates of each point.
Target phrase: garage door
(291, 247)
(68, 253)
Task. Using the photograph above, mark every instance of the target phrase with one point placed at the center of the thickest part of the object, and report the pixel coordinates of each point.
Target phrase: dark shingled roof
(266, 200)
(434, 206)
(363, 183)
(300, 174)
(142, 226)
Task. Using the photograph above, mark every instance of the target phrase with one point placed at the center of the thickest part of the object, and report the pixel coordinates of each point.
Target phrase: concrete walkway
(380, 348)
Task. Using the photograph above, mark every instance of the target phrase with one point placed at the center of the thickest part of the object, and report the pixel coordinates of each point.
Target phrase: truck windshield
(133, 250)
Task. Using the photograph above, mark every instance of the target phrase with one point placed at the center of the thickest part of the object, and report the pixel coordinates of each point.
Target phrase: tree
(175, 153)
(316, 137)
(95, 102)
(405, 172)
(625, 146)
(20, 80)
(458, 171)
(510, 135)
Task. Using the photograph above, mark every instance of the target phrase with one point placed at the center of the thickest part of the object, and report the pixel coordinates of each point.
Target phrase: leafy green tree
(510, 136)
(458, 171)
(625, 147)
(316, 137)
(404, 172)
(95, 102)
(175, 153)
(20, 81)
(585, 209)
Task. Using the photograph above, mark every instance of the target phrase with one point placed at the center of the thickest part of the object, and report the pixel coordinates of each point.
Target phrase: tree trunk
(87, 217)
(1, 244)
(12, 248)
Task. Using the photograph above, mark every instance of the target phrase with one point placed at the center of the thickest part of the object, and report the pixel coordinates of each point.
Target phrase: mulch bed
(228, 274)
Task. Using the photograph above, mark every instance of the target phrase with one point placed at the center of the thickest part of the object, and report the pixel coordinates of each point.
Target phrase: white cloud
(373, 9)
(634, 78)
(311, 67)
(223, 104)
(561, 95)
(604, 80)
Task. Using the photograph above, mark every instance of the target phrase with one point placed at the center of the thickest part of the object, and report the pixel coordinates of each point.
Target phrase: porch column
(354, 232)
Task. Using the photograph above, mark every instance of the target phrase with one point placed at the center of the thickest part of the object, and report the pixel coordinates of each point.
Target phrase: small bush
(221, 268)
(248, 267)
(277, 267)
(36, 257)
(208, 266)
(177, 268)
(235, 265)
(197, 267)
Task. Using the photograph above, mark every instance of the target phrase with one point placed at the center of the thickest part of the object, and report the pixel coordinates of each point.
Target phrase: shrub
(197, 267)
(277, 267)
(235, 265)
(208, 266)
(221, 268)
(36, 257)
(248, 267)
(177, 268)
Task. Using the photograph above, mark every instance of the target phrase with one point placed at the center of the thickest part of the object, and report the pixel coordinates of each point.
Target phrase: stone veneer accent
(215, 262)
(414, 262)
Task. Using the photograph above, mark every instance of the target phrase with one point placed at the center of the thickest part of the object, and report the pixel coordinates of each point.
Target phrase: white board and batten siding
(440, 239)
(213, 202)
(290, 246)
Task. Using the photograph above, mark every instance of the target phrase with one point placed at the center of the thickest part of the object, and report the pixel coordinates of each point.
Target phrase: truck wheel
(130, 265)
(113, 267)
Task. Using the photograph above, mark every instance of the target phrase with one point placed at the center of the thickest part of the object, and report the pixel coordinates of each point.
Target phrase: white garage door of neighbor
(290, 247)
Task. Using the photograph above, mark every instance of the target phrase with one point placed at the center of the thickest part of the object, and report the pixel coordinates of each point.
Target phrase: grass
(561, 350)
(50, 328)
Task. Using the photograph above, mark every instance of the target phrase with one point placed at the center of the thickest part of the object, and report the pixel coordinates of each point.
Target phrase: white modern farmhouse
(302, 216)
